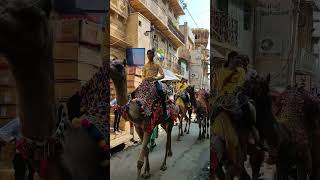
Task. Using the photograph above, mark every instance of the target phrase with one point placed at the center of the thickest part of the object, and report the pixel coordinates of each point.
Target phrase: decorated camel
(144, 111)
(297, 114)
(57, 150)
(182, 111)
(200, 103)
(233, 137)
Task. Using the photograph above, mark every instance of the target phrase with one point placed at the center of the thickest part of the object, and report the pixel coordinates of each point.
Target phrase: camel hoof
(169, 154)
(185, 130)
(188, 132)
(163, 168)
(146, 175)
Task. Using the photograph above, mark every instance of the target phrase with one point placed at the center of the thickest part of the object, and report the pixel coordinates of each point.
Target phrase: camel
(280, 135)
(26, 43)
(132, 112)
(182, 110)
(230, 143)
(200, 104)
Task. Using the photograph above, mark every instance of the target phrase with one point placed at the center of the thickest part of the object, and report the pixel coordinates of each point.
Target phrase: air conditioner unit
(194, 75)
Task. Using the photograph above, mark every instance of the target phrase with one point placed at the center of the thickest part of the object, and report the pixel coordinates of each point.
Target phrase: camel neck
(121, 91)
(35, 89)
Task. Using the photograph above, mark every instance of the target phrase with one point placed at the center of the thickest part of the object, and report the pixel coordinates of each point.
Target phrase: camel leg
(168, 148)
(190, 113)
(208, 124)
(145, 140)
(256, 161)
(180, 127)
(146, 173)
(187, 120)
(199, 122)
(203, 127)
(182, 118)
(169, 131)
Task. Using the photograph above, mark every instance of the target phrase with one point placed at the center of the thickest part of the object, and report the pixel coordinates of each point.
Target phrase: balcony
(151, 11)
(175, 30)
(159, 19)
(305, 63)
(225, 30)
(118, 34)
(177, 7)
(120, 7)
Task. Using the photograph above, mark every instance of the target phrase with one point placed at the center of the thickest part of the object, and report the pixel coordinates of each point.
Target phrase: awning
(169, 76)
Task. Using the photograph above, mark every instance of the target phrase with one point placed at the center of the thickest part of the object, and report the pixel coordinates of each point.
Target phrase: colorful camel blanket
(157, 116)
(95, 99)
(147, 93)
(291, 115)
(223, 127)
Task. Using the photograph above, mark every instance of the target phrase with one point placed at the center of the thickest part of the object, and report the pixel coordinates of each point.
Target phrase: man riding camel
(151, 70)
(181, 89)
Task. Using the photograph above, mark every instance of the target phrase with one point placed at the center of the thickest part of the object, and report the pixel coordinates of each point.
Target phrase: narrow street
(190, 158)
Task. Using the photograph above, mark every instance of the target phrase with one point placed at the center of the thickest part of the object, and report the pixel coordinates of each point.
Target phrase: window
(155, 42)
(222, 5)
(247, 17)
(140, 23)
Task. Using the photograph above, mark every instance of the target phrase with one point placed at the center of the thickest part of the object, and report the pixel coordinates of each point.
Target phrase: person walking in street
(11, 133)
(117, 115)
(151, 71)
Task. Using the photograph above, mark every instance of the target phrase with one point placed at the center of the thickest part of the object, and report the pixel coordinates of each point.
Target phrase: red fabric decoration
(43, 168)
(214, 163)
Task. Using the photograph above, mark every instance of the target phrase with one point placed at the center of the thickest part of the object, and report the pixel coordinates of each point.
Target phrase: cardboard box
(74, 71)
(77, 52)
(133, 83)
(7, 79)
(134, 70)
(8, 111)
(75, 30)
(134, 78)
(8, 96)
(66, 89)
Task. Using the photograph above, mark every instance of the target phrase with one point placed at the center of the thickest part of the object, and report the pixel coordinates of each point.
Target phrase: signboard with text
(274, 27)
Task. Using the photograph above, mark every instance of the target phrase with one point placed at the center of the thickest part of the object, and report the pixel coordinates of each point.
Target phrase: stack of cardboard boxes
(133, 81)
(76, 53)
(8, 95)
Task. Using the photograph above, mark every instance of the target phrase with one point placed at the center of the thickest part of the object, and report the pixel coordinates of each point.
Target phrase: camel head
(258, 90)
(23, 28)
(118, 70)
(190, 90)
(136, 115)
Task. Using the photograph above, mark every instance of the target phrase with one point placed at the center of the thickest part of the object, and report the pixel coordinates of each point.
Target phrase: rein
(39, 153)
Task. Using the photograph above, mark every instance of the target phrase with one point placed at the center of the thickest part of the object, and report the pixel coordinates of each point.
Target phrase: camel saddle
(230, 103)
(148, 94)
(183, 95)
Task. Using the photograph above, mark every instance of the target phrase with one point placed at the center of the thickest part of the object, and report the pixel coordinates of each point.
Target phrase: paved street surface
(190, 159)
